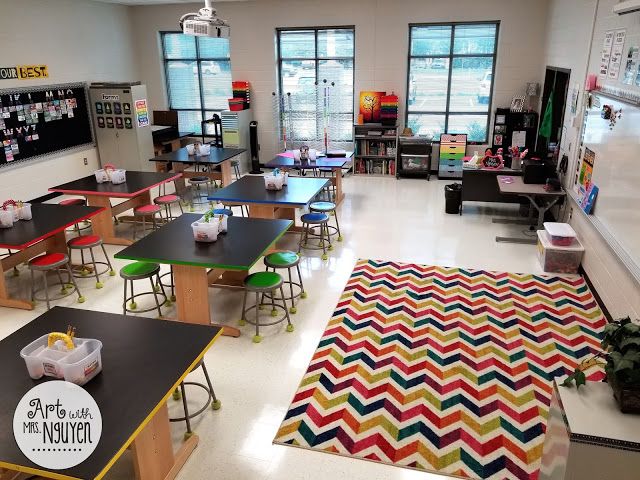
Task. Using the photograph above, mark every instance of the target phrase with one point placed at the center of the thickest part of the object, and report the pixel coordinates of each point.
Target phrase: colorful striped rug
(443, 369)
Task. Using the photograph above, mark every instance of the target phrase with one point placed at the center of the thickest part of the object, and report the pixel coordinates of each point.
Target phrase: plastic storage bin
(77, 366)
(206, 231)
(562, 235)
(274, 182)
(557, 259)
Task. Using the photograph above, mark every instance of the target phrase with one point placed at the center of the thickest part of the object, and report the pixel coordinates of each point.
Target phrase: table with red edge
(136, 192)
(44, 233)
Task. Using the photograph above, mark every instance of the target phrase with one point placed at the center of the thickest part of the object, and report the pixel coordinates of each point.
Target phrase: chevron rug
(443, 369)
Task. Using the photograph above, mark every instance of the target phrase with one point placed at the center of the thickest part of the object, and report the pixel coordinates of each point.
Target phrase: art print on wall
(370, 106)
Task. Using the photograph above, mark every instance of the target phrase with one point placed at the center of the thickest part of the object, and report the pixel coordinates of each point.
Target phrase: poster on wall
(586, 172)
(142, 113)
(616, 54)
(605, 56)
(631, 67)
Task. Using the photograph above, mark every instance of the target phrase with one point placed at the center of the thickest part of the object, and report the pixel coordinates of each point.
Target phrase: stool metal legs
(325, 239)
(212, 400)
(244, 319)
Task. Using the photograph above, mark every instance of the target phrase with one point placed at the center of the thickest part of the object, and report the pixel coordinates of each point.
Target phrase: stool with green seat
(140, 271)
(288, 260)
(264, 283)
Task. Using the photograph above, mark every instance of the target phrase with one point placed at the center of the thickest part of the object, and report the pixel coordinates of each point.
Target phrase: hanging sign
(24, 72)
(605, 56)
(142, 113)
(616, 54)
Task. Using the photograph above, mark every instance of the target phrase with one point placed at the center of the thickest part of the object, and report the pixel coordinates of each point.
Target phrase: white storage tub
(77, 366)
(557, 259)
(562, 235)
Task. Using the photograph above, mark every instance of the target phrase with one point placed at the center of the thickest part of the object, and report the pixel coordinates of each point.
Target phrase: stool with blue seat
(309, 222)
(329, 208)
(89, 242)
(53, 262)
(288, 260)
(264, 283)
(140, 271)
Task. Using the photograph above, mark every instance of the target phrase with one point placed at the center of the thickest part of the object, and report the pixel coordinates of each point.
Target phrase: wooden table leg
(192, 297)
(102, 223)
(261, 211)
(336, 179)
(225, 168)
(179, 182)
(153, 456)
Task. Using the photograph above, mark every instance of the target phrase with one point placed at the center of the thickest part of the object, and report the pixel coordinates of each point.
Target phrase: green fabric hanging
(547, 120)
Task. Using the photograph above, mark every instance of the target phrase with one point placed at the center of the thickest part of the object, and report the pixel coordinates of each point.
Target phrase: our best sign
(24, 72)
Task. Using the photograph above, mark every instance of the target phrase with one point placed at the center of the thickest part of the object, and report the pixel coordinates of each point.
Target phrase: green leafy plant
(208, 216)
(621, 351)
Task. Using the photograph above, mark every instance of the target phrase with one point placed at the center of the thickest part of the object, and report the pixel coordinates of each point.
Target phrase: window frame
(198, 59)
(317, 60)
(450, 57)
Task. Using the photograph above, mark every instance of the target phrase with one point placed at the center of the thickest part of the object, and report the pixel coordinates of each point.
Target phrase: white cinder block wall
(570, 44)
(382, 34)
(80, 41)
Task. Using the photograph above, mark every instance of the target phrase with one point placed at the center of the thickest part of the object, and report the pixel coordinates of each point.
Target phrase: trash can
(453, 198)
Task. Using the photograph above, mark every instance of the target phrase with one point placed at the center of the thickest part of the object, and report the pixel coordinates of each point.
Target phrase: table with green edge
(198, 265)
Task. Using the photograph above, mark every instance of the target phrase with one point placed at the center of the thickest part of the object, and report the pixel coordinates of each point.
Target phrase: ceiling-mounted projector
(205, 23)
(626, 7)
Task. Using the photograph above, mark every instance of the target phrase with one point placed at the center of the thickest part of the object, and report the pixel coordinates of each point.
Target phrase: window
(450, 82)
(198, 74)
(313, 62)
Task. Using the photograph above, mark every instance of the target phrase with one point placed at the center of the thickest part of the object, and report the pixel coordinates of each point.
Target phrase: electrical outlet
(86, 162)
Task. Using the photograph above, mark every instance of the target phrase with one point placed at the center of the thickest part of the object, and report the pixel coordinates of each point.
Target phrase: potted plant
(621, 351)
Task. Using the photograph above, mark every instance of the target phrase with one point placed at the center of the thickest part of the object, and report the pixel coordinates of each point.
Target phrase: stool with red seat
(89, 242)
(145, 211)
(53, 262)
(166, 201)
(76, 201)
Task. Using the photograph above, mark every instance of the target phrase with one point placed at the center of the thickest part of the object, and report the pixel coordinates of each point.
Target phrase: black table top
(216, 156)
(48, 219)
(239, 249)
(137, 183)
(143, 359)
(250, 189)
(322, 162)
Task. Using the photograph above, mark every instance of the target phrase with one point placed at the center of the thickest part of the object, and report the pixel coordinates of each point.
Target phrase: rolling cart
(414, 159)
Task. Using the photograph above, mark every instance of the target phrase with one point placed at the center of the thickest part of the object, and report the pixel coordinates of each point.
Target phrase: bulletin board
(43, 120)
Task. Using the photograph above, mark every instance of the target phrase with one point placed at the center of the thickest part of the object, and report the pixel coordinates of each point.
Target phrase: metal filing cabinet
(122, 125)
(453, 148)
(235, 134)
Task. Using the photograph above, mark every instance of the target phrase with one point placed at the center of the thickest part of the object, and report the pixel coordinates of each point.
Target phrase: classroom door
(556, 81)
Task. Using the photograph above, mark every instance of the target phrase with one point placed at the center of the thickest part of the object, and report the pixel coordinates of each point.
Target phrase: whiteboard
(616, 173)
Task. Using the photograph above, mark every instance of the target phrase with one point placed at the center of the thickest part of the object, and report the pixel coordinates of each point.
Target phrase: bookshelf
(376, 148)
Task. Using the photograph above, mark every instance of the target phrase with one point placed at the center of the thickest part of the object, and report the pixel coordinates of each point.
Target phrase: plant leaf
(581, 378)
(623, 364)
(630, 341)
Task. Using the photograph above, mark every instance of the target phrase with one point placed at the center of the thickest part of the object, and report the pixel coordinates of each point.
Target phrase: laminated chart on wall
(43, 120)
